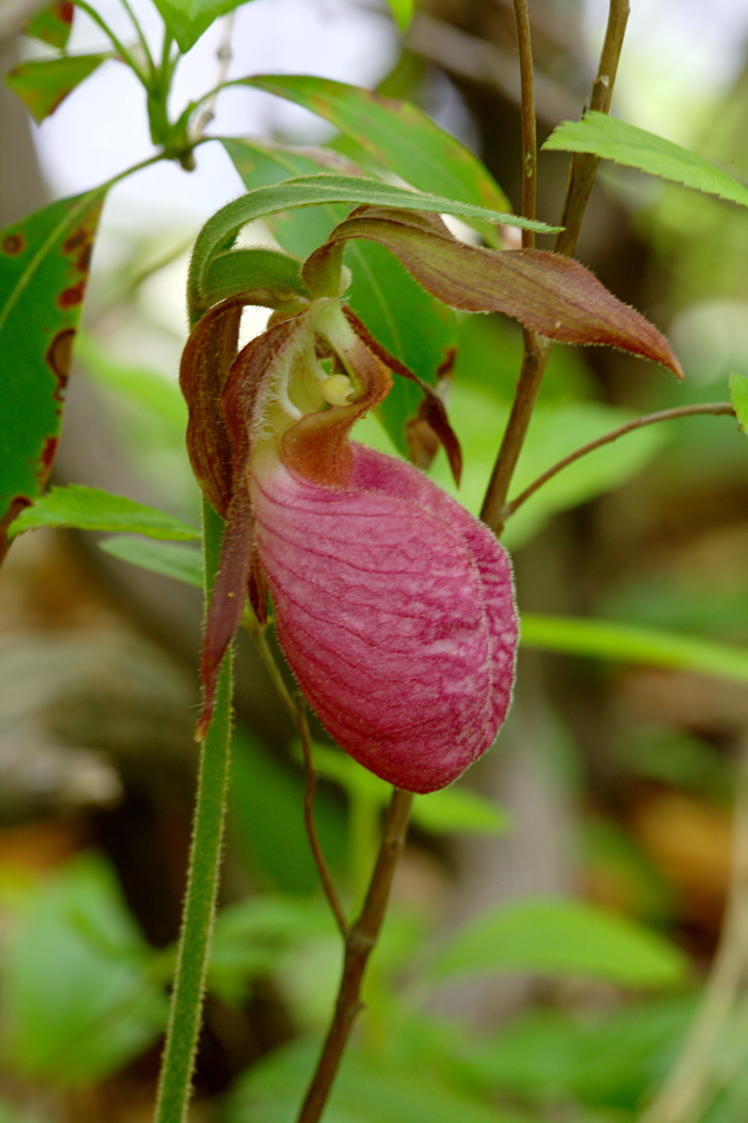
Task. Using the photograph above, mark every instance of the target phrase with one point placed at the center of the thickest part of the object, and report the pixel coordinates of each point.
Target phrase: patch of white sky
(678, 56)
(102, 128)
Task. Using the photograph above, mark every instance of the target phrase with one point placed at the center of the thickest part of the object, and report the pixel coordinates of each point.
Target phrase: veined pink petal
(395, 610)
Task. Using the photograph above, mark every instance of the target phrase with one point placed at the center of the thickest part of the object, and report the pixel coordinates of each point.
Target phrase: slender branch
(223, 54)
(360, 942)
(117, 43)
(537, 350)
(531, 374)
(683, 1097)
(317, 852)
(584, 166)
(141, 37)
(527, 108)
(714, 408)
(297, 710)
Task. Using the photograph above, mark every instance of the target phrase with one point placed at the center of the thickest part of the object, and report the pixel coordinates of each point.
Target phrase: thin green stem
(297, 710)
(141, 36)
(715, 408)
(183, 1030)
(325, 876)
(117, 43)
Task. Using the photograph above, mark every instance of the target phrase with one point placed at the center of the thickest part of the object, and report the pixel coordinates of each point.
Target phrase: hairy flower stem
(202, 881)
(581, 176)
(360, 940)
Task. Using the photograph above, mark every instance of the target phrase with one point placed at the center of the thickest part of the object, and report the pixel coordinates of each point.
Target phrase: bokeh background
(615, 783)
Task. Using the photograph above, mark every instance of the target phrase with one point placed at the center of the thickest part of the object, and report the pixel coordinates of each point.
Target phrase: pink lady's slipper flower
(393, 605)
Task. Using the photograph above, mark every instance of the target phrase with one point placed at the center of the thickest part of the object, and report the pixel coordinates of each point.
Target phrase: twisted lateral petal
(395, 610)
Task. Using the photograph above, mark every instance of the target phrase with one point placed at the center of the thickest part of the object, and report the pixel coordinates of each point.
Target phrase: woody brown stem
(360, 941)
(536, 349)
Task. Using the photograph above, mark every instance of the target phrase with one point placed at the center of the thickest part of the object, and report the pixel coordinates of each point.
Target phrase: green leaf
(44, 263)
(627, 643)
(555, 431)
(188, 19)
(410, 323)
(563, 937)
(459, 810)
(77, 997)
(449, 810)
(403, 11)
(307, 191)
(43, 84)
(89, 508)
(265, 274)
(394, 135)
(155, 393)
(367, 1089)
(604, 136)
(52, 23)
(739, 399)
(183, 563)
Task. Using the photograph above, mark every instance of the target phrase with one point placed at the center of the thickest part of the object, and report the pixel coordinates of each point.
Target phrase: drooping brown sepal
(207, 357)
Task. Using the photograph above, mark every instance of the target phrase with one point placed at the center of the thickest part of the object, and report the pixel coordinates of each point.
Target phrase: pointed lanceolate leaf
(44, 264)
(605, 136)
(188, 19)
(90, 508)
(395, 136)
(182, 563)
(52, 23)
(545, 292)
(43, 84)
(313, 190)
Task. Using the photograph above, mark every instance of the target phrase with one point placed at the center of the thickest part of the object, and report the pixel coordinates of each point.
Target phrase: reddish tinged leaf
(545, 292)
(52, 23)
(207, 357)
(44, 263)
(43, 84)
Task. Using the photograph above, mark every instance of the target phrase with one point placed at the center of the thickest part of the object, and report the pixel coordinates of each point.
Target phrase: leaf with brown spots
(43, 84)
(44, 262)
(52, 23)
